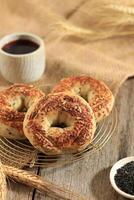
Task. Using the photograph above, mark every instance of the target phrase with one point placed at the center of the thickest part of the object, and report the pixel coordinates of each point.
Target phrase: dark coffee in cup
(20, 46)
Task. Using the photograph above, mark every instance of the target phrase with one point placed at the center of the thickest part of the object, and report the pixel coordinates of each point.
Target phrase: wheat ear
(3, 186)
(109, 20)
(42, 185)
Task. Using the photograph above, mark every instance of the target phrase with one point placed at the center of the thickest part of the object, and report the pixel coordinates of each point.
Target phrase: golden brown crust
(101, 100)
(10, 118)
(53, 140)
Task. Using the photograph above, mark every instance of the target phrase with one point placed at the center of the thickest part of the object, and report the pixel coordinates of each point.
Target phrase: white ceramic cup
(22, 68)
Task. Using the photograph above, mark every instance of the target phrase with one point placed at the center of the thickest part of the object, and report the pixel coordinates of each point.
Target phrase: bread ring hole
(59, 124)
(18, 104)
(83, 91)
(61, 120)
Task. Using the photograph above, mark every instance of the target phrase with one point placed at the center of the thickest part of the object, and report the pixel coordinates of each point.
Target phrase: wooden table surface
(91, 175)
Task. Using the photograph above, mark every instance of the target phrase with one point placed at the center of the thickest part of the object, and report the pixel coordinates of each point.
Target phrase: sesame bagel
(14, 102)
(58, 123)
(95, 92)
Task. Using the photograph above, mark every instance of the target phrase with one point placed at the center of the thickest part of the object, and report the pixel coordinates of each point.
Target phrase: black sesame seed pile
(125, 178)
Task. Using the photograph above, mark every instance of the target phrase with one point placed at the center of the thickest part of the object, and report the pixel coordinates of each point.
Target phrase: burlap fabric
(110, 60)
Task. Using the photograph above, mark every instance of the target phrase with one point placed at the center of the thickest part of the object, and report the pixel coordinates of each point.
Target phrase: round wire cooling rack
(22, 153)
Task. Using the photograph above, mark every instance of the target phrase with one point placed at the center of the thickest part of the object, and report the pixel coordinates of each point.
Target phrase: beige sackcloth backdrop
(110, 60)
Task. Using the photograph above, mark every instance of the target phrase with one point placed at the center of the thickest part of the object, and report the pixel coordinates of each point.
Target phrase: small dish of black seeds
(122, 177)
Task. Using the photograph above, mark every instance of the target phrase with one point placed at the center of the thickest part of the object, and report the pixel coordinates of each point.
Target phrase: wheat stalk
(108, 20)
(3, 187)
(42, 185)
(65, 29)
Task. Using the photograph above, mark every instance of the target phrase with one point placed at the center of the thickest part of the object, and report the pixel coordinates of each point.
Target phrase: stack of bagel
(63, 121)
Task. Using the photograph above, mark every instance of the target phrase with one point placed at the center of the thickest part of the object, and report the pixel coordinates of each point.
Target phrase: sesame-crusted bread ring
(60, 123)
(95, 92)
(14, 102)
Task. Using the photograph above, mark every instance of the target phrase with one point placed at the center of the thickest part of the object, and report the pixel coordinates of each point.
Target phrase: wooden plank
(18, 192)
(91, 175)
